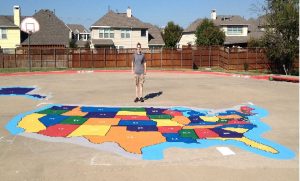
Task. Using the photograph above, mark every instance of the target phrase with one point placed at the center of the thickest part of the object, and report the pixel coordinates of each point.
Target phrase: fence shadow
(153, 95)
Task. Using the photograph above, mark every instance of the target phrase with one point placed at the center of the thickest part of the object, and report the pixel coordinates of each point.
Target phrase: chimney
(213, 14)
(129, 12)
(17, 15)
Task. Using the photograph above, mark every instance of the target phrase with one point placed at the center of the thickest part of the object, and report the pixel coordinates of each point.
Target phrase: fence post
(16, 57)
(41, 57)
(181, 58)
(104, 57)
(79, 57)
(55, 57)
(209, 56)
(2, 57)
(161, 58)
(228, 57)
(151, 58)
(218, 56)
(192, 59)
(200, 57)
(68, 60)
(92, 57)
(116, 58)
(256, 58)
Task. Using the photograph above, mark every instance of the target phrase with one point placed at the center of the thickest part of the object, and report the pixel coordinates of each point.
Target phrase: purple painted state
(19, 91)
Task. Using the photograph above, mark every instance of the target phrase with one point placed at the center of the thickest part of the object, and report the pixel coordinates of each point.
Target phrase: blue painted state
(20, 91)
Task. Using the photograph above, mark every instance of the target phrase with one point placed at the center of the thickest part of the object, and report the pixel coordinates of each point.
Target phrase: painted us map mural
(145, 132)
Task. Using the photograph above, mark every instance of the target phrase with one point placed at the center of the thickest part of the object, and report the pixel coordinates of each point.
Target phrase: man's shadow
(152, 95)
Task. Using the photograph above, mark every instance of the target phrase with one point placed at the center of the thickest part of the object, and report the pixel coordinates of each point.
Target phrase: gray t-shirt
(138, 63)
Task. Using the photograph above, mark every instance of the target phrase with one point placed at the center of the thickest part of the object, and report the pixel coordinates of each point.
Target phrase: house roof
(77, 28)
(7, 21)
(221, 20)
(52, 31)
(119, 20)
(235, 39)
(154, 34)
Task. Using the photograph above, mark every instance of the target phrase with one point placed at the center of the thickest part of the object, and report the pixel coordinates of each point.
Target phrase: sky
(156, 12)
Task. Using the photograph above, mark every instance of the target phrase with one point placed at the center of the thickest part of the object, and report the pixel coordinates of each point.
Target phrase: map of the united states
(148, 130)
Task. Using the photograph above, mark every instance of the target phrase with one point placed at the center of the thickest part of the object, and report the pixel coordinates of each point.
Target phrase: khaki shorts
(139, 79)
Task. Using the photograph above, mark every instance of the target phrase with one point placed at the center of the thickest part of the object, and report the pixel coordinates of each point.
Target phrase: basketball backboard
(30, 25)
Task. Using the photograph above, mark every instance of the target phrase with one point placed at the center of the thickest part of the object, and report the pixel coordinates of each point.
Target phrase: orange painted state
(130, 141)
(75, 112)
(181, 120)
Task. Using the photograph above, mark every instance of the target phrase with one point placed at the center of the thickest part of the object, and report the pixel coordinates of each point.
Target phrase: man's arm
(145, 68)
(132, 64)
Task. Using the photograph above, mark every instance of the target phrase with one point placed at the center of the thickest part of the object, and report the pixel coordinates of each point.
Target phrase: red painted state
(203, 133)
(169, 129)
(236, 121)
(59, 130)
(172, 113)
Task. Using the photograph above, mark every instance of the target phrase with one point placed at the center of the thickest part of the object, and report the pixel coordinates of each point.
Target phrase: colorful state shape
(209, 118)
(181, 120)
(152, 110)
(131, 113)
(52, 119)
(90, 130)
(232, 116)
(172, 113)
(204, 133)
(75, 112)
(160, 116)
(31, 123)
(130, 141)
(137, 123)
(52, 111)
(99, 109)
(20, 91)
(131, 117)
(166, 122)
(100, 115)
(74, 120)
(188, 133)
(175, 137)
(59, 130)
(226, 133)
(169, 129)
(238, 130)
(142, 128)
(102, 121)
(63, 107)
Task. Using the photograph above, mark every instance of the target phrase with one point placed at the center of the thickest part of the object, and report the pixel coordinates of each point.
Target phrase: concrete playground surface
(24, 158)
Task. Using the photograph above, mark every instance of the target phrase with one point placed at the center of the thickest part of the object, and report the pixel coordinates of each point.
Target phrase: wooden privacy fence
(187, 58)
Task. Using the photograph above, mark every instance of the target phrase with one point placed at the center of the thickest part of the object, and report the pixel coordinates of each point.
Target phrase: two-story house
(10, 33)
(53, 32)
(123, 30)
(235, 28)
(79, 34)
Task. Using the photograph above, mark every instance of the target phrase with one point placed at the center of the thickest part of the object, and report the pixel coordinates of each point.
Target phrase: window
(125, 33)
(143, 33)
(3, 33)
(106, 33)
(234, 30)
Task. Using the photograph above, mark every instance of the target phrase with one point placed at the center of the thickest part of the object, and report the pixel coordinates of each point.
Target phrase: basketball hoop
(30, 26)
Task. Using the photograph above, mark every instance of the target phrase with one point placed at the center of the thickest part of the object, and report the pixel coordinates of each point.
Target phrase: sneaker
(136, 99)
(142, 99)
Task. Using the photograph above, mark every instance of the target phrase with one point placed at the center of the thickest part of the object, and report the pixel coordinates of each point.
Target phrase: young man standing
(138, 68)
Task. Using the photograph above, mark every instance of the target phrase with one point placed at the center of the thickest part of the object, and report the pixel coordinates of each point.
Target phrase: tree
(208, 34)
(281, 38)
(172, 34)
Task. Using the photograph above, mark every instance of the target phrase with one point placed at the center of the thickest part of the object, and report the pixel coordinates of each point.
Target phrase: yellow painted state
(233, 116)
(238, 130)
(210, 118)
(31, 123)
(13, 38)
(90, 130)
(131, 113)
(166, 122)
(251, 143)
